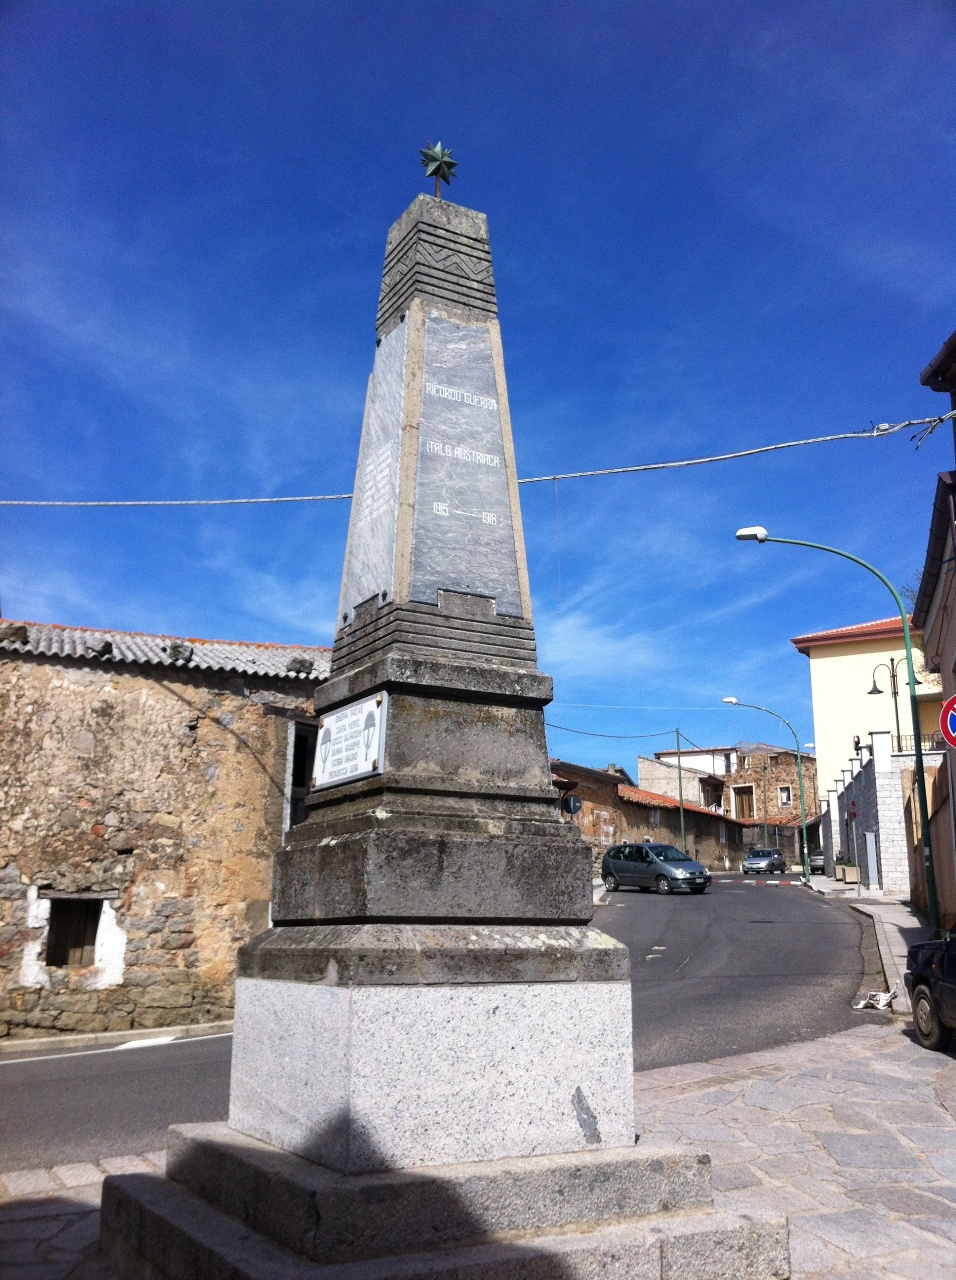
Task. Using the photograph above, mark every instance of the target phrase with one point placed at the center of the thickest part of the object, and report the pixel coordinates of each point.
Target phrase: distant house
(751, 781)
(613, 809)
(147, 781)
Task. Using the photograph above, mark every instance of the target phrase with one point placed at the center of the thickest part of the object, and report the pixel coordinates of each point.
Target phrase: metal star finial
(438, 164)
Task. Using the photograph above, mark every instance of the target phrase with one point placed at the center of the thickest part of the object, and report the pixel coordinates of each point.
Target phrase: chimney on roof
(612, 768)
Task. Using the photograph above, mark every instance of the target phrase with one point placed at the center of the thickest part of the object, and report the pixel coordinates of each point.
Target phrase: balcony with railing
(905, 743)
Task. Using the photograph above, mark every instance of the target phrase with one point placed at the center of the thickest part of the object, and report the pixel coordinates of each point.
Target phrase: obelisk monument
(432, 1067)
(431, 947)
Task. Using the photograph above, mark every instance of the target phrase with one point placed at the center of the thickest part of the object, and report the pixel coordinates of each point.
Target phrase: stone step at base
(153, 1229)
(333, 1217)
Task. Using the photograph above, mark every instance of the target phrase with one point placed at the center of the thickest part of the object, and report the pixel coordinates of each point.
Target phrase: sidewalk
(852, 1136)
(897, 927)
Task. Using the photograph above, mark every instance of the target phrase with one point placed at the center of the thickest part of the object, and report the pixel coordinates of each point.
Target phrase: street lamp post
(892, 667)
(757, 533)
(803, 811)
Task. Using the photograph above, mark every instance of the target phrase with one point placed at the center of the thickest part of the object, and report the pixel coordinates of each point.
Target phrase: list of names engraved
(463, 538)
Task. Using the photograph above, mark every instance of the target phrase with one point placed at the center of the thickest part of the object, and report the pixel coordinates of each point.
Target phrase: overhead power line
(876, 432)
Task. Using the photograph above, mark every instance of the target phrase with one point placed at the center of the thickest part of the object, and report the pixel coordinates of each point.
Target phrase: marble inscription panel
(351, 742)
(370, 560)
(463, 538)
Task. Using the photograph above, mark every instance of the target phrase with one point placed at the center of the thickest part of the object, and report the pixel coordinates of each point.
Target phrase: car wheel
(930, 1032)
(610, 883)
(663, 884)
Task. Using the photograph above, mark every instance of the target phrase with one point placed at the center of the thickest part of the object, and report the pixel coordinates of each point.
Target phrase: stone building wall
(158, 792)
(878, 790)
(613, 810)
(781, 772)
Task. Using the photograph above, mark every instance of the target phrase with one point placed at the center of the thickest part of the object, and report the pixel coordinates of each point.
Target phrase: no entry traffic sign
(947, 721)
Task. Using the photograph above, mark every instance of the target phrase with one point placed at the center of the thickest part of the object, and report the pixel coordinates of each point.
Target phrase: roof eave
(939, 526)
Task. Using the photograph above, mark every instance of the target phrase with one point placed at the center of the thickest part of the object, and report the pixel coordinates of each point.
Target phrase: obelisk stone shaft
(430, 990)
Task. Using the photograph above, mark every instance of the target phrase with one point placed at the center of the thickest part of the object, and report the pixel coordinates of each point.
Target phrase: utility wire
(877, 431)
(630, 737)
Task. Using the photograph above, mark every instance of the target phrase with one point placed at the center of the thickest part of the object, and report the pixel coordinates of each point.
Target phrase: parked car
(764, 861)
(652, 866)
(816, 861)
(930, 979)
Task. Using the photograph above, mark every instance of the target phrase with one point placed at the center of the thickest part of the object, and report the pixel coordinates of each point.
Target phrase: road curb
(95, 1039)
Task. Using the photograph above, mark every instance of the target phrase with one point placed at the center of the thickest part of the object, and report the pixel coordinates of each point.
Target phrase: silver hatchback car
(661, 867)
(764, 861)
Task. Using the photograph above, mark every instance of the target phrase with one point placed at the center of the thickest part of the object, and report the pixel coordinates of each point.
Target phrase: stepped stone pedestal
(432, 1063)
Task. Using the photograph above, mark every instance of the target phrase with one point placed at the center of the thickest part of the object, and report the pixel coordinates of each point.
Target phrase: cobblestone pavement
(852, 1136)
(50, 1218)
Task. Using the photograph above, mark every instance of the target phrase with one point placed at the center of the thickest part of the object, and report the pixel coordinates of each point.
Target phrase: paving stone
(790, 1164)
(861, 1233)
(827, 1193)
(77, 1175)
(157, 1159)
(812, 1256)
(72, 1200)
(734, 1177)
(901, 1199)
(35, 1271)
(945, 1166)
(28, 1182)
(945, 1227)
(20, 1251)
(912, 1113)
(27, 1229)
(780, 1138)
(126, 1164)
(769, 1197)
(79, 1235)
(927, 1139)
(927, 1264)
(868, 1151)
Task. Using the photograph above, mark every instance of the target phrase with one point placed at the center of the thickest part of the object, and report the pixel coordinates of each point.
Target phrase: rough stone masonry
(144, 788)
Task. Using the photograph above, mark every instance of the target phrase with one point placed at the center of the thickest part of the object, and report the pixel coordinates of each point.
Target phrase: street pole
(759, 534)
(680, 796)
(766, 838)
(891, 667)
(796, 742)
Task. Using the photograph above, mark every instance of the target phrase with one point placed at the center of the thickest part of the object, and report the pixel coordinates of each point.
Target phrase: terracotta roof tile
(882, 628)
(638, 796)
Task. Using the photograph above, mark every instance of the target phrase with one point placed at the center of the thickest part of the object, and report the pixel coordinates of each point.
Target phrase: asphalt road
(67, 1107)
(745, 966)
(742, 967)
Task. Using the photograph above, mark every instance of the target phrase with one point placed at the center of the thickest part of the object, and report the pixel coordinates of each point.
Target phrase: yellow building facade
(844, 666)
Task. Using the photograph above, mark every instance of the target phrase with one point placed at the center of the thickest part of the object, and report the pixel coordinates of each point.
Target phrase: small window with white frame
(784, 797)
(655, 817)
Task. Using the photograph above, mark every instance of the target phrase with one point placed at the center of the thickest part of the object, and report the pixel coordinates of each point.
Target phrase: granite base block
(152, 1229)
(367, 1078)
(333, 1217)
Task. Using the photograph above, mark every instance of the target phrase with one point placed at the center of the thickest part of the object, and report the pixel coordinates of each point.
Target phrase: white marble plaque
(463, 539)
(351, 742)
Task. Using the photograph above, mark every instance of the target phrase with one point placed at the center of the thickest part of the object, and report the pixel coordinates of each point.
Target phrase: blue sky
(712, 227)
